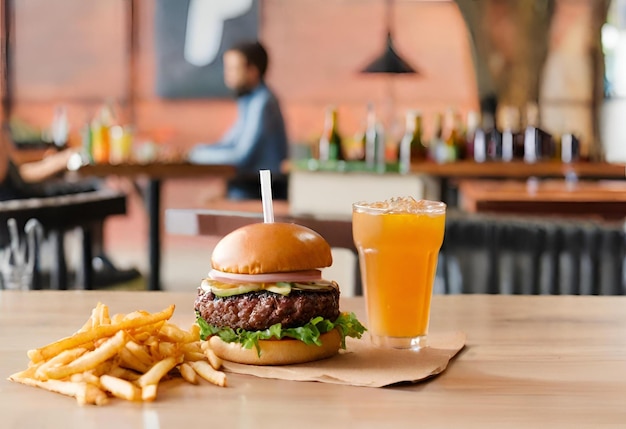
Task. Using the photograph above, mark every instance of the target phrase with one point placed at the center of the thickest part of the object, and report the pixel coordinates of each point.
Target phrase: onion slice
(291, 276)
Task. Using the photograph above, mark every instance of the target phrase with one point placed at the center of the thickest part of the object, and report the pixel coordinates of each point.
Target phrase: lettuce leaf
(347, 323)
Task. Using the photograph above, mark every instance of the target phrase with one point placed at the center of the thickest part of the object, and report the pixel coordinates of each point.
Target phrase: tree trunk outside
(510, 48)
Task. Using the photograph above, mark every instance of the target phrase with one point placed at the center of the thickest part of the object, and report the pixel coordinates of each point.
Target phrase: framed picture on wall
(191, 36)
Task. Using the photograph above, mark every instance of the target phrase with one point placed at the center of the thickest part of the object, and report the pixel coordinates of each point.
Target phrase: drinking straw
(266, 196)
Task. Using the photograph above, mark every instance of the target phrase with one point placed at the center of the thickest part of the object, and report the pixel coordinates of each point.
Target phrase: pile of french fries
(123, 356)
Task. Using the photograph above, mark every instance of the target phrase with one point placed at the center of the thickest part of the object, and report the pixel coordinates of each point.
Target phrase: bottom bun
(278, 352)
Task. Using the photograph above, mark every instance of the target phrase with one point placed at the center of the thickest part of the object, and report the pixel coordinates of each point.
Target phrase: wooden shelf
(469, 169)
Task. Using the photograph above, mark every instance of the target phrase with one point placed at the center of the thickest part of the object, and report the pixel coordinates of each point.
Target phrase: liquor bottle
(538, 143)
(101, 138)
(570, 148)
(461, 136)
(473, 121)
(412, 148)
(493, 137)
(508, 134)
(60, 127)
(450, 137)
(483, 137)
(438, 147)
(374, 143)
(87, 142)
(532, 144)
(330, 142)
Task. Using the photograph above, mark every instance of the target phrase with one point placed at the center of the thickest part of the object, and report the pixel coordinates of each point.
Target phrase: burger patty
(259, 310)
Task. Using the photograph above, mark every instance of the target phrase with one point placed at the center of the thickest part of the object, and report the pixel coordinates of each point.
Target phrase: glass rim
(431, 207)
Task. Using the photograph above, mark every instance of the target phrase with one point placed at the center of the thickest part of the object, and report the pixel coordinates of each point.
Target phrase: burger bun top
(277, 247)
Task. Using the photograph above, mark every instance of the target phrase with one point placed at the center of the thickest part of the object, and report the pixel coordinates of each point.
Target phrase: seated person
(41, 179)
(257, 140)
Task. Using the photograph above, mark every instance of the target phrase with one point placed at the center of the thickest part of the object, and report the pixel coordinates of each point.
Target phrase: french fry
(175, 334)
(120, 388)
(86, 377)
(27, 373)
(158, 371)
(80, 338)
(214, 360)
(149, 392)
(88, 324)
(92, 394)
(136, 315)
(90, 359)
(126, 374)
(62, 358)
(206, 371)
(167, 349)
(194, 356)
(130, 361)
(103, 368)
(68, 388)
(139, 352)
(188, 374)
(117, 318)
(126, 356)
(194, 331)
(103, 315)
(192, 347)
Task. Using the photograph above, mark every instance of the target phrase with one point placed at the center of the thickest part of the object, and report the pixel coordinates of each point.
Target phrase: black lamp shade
(389, 61)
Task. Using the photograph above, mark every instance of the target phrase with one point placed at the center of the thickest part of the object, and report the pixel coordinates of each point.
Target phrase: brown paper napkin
(365, 365)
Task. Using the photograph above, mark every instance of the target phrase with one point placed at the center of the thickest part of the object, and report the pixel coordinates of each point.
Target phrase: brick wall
(76, 52)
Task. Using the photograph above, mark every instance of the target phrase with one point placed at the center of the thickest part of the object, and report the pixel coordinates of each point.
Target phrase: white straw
(266, 195)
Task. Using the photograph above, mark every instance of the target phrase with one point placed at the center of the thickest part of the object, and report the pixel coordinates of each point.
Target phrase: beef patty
(259, 310)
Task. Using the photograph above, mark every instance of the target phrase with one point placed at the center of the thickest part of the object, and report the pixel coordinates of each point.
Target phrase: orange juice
(398, 252)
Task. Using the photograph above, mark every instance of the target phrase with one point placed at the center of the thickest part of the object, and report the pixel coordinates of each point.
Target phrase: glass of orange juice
(398, 241)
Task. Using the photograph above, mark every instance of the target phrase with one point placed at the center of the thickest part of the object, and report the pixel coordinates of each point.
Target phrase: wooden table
(155, 172)
(530, 361)
(222, 217)
(602, 199)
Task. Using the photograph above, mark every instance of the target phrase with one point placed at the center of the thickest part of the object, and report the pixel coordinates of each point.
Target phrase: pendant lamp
(389, 61)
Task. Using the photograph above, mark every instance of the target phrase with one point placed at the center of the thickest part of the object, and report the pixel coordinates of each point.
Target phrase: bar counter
(529, 361)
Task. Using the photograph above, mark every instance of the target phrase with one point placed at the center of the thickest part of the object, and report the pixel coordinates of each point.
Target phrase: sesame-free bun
(278, 352)
(271, 248)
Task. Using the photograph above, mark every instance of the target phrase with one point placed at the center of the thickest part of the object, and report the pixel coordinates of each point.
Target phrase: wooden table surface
(601, 199)
(530, 361)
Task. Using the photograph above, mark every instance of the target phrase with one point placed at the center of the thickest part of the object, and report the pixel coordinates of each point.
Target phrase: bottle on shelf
(473, 122)
(101, 136)
(482, 137)
(412, 148)
(87, 142)
(538, 143)
(330, 148)
(508, 133)
(493, 137)
(570, 147)
(461, 136)
(532, 140)
(438, 147)
(60, 127)
(374, 141)
(451, 138)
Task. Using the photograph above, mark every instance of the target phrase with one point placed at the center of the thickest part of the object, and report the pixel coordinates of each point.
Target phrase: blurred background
(567, 56)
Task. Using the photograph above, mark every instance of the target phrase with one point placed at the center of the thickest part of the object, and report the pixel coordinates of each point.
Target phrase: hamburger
(264, 301)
